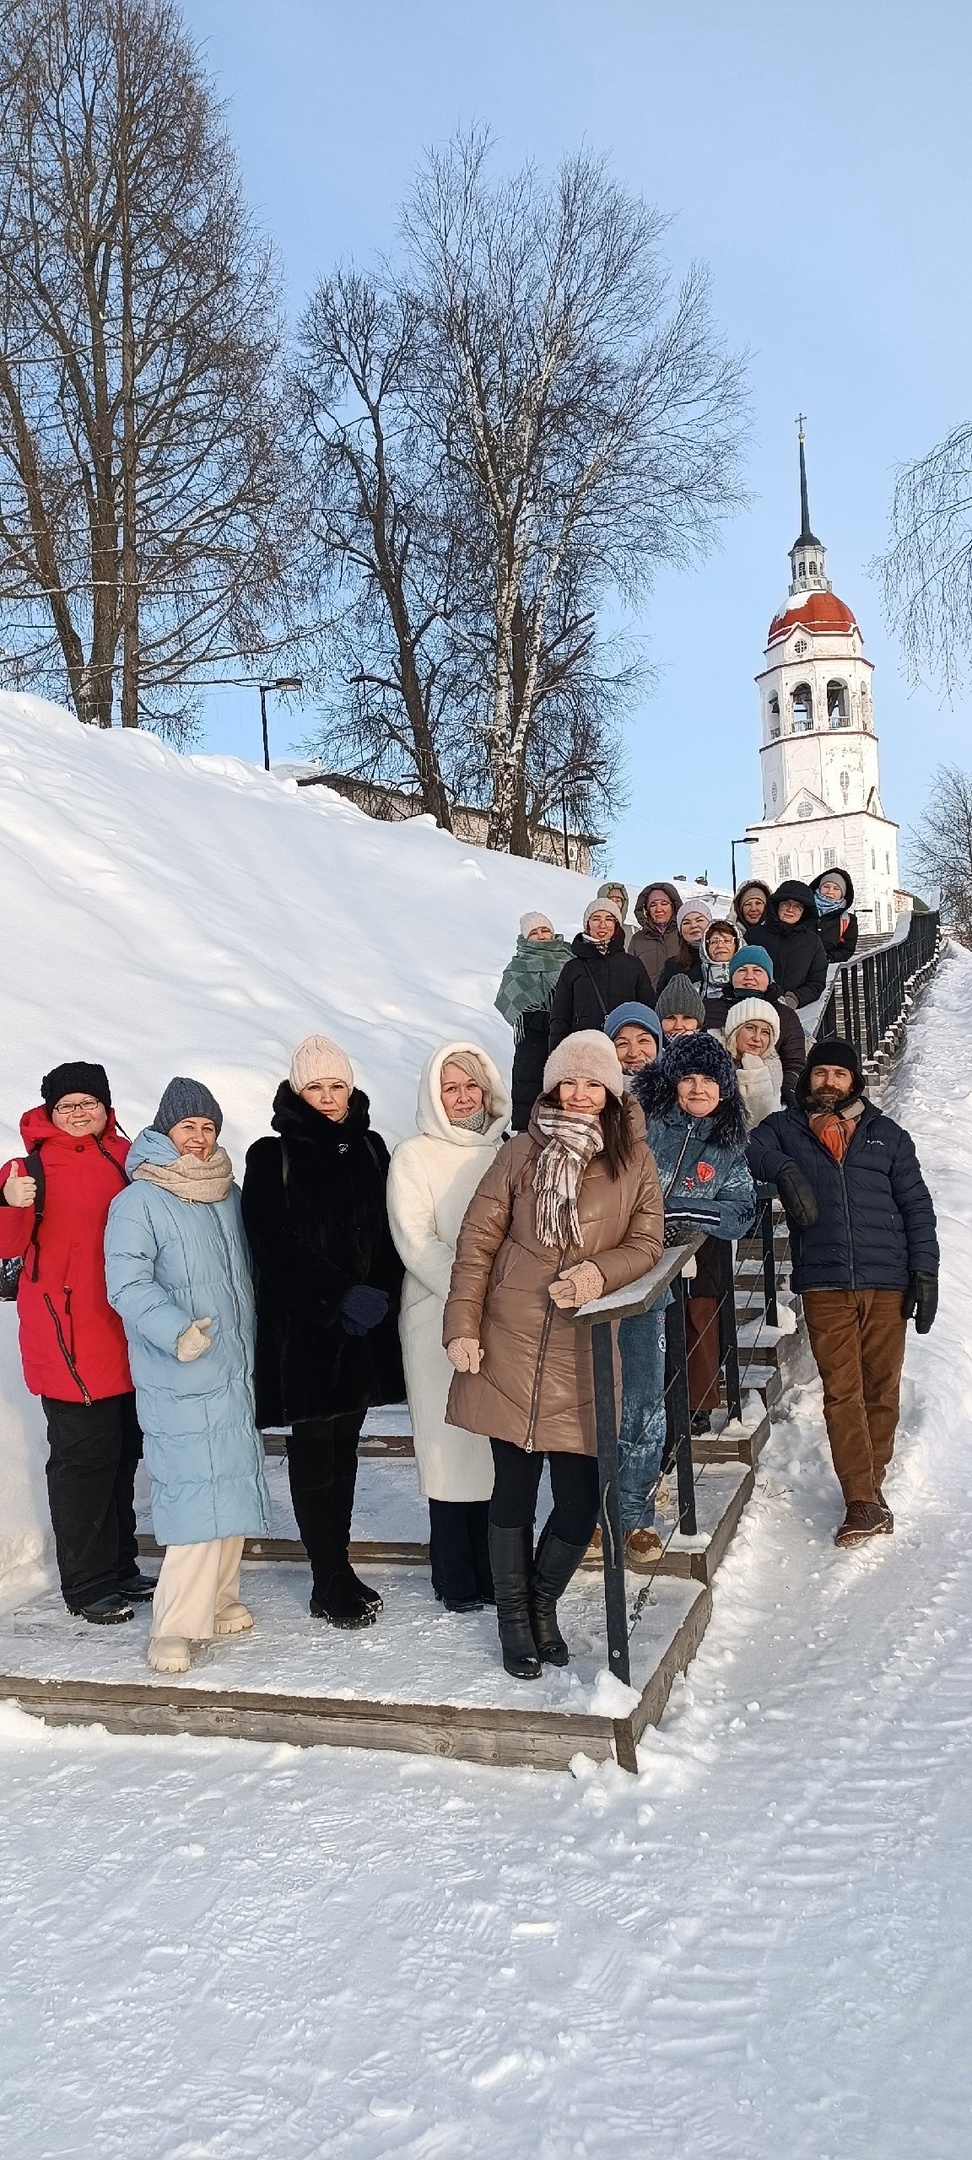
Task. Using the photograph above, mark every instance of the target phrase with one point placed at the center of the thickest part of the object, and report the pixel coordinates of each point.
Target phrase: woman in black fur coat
(328, 1288)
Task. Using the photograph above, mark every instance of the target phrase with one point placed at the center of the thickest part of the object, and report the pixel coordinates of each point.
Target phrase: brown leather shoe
(864, 1519)
(882, 1503)
(641, 1549)
(595, 1547)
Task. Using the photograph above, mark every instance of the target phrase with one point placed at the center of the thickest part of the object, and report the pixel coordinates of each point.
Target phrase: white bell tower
(821, 785)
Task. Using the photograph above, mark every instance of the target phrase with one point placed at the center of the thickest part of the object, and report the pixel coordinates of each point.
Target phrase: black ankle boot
(510, 1554)
(552, 1570)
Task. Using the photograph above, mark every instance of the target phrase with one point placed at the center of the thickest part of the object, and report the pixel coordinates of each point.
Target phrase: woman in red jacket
(53, 1210)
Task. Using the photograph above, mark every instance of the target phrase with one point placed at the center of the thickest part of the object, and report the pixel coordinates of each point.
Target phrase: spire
(806, 536)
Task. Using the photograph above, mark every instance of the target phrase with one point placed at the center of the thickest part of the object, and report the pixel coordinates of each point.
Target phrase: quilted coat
(535, 1384)
(72, 1345)
(432, 1179)
(876, 1222)
(653, 947)
(593, 983)
(169, 1261)
(317, 1221)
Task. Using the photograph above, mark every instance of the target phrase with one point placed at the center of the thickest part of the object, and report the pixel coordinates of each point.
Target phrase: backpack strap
(33, 1167)
(594, 986)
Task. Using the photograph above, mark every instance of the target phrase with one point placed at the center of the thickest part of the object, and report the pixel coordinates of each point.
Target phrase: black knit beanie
(832, 1050)
(75, 1078)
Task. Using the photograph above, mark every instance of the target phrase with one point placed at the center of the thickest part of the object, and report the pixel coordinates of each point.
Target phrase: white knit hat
(693, 907)
(588, 1055)
(318, 1058)
(534, 922)
(751, 1008)
(603, 907)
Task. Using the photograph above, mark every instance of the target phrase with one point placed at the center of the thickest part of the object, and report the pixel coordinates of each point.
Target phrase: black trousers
(95, 1449)
(459, 1550)
(576, 1492)
(322, 1463)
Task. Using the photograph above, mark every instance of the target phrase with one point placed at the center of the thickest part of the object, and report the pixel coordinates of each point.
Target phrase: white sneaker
(168, 1653)
(233, 1620)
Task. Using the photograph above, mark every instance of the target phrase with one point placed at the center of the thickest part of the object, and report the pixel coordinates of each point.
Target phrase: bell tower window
(802, 709)
(838, 714)
(774, 718)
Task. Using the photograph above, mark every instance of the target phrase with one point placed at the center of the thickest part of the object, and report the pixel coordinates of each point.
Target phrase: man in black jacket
(865, 1261)
(601, 976)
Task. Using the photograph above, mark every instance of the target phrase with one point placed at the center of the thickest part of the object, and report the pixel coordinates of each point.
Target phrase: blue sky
(815, 158)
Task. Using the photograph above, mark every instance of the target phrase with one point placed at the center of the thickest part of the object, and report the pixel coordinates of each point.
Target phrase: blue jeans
(641, 1440)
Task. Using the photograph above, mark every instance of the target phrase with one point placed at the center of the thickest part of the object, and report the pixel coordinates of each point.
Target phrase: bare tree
(940, 847)
(379, 542)
(927, 571)
(141, 468)
(518, 422)
(589, 419)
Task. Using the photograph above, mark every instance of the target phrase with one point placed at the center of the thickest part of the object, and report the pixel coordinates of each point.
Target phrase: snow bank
(193, 914)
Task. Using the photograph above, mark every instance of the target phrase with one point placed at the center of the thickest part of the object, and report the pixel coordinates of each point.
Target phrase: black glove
(921, 1301)
(797, 1195)
(362, 1309)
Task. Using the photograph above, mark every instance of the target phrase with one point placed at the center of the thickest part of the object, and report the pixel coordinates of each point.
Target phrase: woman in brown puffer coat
(568, 1210)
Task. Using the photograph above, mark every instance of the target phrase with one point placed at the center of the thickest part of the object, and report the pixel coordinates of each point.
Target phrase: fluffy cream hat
(751, 1008)
(534, 921)
(588, 1055)
(600, 906)
(318, 1058)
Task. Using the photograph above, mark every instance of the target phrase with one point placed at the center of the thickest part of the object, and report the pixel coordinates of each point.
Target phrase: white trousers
(195, 1583)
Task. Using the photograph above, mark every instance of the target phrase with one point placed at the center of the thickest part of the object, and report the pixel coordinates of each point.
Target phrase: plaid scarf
(572, 1142)
(190, 1179)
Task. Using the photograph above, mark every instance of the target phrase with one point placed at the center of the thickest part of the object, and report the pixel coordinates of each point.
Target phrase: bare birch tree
(141, 465)
(940, 847)
(927, 571)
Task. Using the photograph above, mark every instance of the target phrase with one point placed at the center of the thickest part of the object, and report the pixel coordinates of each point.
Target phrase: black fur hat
(657, 1086)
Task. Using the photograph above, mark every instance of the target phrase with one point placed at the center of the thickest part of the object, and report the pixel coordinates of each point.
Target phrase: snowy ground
(759, 1949)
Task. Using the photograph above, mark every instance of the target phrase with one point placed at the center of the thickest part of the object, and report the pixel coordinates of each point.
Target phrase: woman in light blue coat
(178, 1273)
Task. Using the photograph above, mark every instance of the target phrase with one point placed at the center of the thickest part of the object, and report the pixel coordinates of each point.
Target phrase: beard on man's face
(831, 1098)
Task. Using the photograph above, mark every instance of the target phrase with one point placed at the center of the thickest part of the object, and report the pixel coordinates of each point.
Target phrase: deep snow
(756, 1950)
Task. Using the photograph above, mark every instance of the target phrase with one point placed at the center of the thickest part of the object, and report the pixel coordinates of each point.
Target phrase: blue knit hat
(751, 956)
(634, 1015)
(185, 1099)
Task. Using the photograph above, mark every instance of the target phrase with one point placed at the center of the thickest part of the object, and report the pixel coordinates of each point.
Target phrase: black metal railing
(758, 1291)
(868, 995)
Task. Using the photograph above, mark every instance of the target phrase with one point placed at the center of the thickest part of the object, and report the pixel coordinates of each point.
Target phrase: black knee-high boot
(510, 1553)
(553, 1567)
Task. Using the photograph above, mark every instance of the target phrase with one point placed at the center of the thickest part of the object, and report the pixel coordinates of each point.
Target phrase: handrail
(639, 1296)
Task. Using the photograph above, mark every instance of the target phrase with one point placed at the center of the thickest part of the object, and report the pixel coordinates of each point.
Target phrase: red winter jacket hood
(71, 1342)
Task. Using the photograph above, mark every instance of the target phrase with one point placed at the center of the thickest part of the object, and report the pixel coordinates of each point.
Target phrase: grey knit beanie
(680, 996)
(185, 1099)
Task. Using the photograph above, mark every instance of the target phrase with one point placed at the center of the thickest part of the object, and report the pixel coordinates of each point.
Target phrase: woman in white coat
(462, 1112)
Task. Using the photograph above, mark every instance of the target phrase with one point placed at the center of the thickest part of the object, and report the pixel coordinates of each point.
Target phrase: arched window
(783, 867)
(865, 721)
(838, 713)
(774, 718)
(802, 708)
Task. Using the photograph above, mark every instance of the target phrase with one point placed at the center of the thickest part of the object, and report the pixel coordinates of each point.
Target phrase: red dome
(815, 611)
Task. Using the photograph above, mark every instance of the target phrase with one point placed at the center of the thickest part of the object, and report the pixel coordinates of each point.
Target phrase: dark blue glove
(362, 1309)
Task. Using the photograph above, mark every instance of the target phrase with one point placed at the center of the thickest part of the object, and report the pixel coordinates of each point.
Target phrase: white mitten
(194, 1341)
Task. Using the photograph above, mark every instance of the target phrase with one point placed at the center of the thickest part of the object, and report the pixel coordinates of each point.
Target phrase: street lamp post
(283, 682)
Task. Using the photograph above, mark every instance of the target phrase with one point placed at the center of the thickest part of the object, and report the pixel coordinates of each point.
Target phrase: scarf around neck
(189, 1179)
(835, 1129)
(477, 1123)
(572, 1143)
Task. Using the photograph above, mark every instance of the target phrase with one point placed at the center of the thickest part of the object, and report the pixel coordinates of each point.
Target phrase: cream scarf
(190, 1179)
(572, 1142)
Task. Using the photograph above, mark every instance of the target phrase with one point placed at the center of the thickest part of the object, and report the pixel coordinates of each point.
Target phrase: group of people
(164, 1309)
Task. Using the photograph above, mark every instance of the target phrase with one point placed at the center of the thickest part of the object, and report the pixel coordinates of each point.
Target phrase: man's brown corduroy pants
(858, 1340)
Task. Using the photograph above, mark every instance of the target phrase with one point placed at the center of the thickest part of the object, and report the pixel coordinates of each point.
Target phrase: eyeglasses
(83, 1108)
